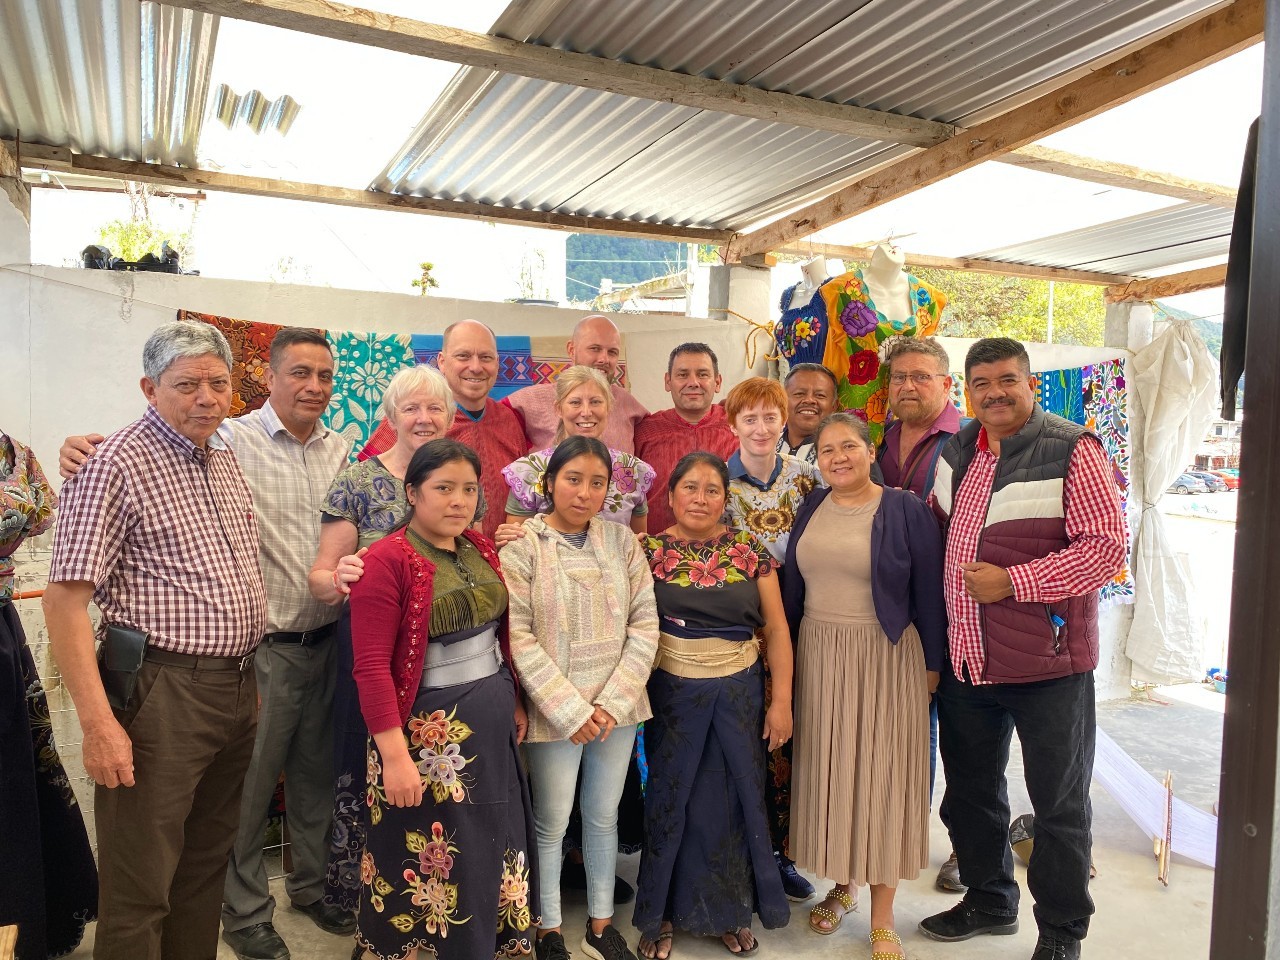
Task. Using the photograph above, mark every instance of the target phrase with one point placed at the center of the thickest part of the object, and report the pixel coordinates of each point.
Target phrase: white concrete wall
(79, 369)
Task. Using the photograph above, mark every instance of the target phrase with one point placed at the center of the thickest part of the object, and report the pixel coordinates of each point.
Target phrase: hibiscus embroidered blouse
(768, 509)
(707, 588)
(628, 487)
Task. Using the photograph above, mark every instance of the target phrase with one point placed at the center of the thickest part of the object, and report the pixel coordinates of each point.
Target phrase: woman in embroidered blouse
(583, 401)
(49, 884)
(862, 588)
(449, 857)
(766, 491)
(583, 635)
(364, 504)
(708, 864)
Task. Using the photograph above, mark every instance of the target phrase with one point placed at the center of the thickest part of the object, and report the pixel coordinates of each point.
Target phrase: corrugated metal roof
(114, 78)
(1135, 246)
(546, 146)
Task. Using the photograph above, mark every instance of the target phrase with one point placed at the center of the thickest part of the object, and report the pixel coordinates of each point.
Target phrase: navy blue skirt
(708, 860)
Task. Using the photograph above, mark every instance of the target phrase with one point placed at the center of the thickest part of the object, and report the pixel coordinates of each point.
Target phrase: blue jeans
(553, 778)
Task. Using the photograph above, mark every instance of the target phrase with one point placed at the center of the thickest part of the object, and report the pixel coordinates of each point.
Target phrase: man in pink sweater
(596, 342)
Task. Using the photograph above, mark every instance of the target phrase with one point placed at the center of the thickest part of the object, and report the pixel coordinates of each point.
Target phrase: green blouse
(466, 592)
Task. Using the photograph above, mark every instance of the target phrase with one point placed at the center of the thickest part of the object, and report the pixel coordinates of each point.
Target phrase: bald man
(596, 342)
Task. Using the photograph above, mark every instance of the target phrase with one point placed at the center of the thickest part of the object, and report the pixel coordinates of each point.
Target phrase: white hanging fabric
(1175, 380)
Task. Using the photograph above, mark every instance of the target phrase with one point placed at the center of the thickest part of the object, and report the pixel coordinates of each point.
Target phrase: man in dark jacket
(1033, 530)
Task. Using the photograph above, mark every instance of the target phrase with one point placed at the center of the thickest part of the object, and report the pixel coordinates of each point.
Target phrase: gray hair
(925, 346)
(182, 338)
(422, 378)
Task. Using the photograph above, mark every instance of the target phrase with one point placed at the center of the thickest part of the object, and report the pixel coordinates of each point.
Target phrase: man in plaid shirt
(158, 529)
(1033, 530)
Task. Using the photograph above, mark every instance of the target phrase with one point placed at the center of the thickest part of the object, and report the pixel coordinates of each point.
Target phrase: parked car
(1213, 483)
(1187, 484)
(1230, 477)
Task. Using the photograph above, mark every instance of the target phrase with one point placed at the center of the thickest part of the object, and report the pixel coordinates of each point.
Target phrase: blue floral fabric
(366, 364)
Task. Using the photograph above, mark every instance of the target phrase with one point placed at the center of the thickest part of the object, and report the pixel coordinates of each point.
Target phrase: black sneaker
(551, 947)
(609, 945)
(796, 887)
(1056, 948)
(963, 921)
(258, 942)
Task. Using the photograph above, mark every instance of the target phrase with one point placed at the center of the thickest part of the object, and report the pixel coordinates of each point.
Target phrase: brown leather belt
(195, 661)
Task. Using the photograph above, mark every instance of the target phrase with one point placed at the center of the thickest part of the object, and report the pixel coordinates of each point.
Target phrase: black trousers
(1055, 721)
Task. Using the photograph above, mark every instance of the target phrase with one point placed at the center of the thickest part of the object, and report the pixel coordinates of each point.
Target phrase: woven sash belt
(463, 662)
(705, 658)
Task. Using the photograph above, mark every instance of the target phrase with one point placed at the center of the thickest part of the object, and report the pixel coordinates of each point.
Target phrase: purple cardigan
(906, 571)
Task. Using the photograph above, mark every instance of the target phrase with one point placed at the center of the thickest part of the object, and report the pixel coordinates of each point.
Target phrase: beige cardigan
(584, 626)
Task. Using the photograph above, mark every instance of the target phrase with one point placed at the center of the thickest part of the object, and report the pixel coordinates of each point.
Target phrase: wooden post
(1246, 900)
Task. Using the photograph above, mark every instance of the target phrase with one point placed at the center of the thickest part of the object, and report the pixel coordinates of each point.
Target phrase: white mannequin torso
(888, 285)
(813, 274)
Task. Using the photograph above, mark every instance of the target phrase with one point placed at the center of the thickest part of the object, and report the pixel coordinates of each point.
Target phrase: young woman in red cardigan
(450, 855)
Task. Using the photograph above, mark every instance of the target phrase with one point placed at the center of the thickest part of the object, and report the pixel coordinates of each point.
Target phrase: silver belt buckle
(247, 660)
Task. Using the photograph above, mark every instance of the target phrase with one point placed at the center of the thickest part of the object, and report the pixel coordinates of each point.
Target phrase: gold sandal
(820, 912)
(884, 935)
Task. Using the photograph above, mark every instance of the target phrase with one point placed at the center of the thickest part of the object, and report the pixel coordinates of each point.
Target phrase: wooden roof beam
(196, 179)
(1120, 175)
(326, 18)
(1157, 288)
(1203, 42)
(964, 264)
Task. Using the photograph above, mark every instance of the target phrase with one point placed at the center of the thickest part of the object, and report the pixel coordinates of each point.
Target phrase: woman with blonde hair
(583, 401)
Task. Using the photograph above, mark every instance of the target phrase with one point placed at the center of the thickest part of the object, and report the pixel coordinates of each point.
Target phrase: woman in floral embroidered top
(766, 492)
(364, 504)
(708, 864)
(449, 857)
(583, 400)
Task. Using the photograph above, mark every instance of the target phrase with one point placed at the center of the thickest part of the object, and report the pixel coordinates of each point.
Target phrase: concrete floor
(1137, 917)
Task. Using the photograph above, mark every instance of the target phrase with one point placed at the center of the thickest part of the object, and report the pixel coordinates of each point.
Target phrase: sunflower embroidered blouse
(628, 487)
(768, 509)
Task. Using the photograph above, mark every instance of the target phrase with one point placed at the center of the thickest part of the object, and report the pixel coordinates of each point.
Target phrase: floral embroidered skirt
(708, 859)
(350, 757)
(49, 884)
(457, 874)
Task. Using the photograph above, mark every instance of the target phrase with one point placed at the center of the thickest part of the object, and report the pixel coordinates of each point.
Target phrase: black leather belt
(197, 661)
(306, 638)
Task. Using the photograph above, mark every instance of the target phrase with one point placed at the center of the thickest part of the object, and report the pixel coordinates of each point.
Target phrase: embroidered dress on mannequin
(857, 326)
(49, 886)
(801, 331)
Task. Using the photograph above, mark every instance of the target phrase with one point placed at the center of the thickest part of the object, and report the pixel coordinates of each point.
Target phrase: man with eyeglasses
(1034, 528)
(924, 419)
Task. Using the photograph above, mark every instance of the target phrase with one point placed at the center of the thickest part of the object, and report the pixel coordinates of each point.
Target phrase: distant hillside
(589, 257)
(1210, 330)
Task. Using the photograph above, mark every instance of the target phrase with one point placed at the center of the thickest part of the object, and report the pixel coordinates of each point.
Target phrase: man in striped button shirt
(159, 531)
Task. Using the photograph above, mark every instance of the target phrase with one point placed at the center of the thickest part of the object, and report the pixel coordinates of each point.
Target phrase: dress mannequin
(888, 284)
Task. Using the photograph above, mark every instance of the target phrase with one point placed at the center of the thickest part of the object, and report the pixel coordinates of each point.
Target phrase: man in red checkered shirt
(158, 529)
(1034, 529)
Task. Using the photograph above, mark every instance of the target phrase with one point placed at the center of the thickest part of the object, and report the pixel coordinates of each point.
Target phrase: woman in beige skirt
(863, 593)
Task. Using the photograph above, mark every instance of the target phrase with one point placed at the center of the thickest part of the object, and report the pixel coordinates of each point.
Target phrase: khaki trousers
(163, 843)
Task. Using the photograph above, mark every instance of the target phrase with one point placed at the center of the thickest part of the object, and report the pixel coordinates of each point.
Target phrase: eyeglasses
(1004, 383)
(919, 379)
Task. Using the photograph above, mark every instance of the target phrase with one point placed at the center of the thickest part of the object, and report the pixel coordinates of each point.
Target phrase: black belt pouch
(121, 656)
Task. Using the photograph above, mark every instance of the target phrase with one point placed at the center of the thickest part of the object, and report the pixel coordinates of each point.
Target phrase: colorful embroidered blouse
(857, 329)
(768, 509)
(628, 486)
(369, 496)
(26, 505)
(707, 588)
(801, 331)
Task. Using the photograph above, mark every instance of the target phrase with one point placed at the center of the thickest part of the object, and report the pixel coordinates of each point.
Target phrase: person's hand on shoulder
(75, 451)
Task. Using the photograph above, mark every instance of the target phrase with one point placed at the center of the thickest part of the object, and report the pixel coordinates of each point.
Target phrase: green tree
(985, 305)
(140, 234)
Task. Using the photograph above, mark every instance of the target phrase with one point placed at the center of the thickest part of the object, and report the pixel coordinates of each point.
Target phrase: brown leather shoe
(949, 876)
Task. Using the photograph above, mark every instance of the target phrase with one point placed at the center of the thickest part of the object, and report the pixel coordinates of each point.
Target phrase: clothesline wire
(30, 275)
